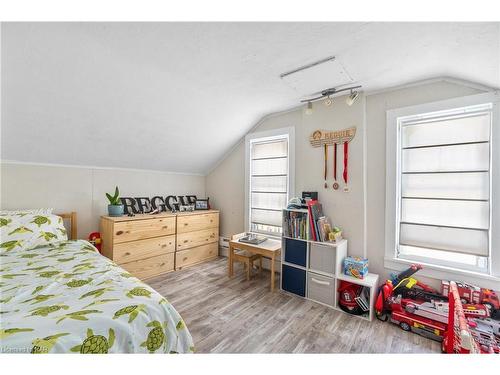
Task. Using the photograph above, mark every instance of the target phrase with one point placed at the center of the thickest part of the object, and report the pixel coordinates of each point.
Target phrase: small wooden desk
(269, 248)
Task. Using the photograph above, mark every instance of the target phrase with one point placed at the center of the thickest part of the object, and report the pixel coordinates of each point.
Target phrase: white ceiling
(177, 96)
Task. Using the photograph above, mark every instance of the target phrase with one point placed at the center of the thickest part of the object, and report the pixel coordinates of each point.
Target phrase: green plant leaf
(110, 198)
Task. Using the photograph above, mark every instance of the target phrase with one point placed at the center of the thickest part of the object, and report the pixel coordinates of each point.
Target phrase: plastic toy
(428, 319)
(356, 267)
(473, 294)
(407, 287)
(484, 335)
(95, 239)
(353, 298)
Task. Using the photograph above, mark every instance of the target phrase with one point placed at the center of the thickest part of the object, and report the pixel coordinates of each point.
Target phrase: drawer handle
(119, 232)
(321, 282)
(185, 224)
(163, 245)
(186, 241)
(165, 227)
(127, 254)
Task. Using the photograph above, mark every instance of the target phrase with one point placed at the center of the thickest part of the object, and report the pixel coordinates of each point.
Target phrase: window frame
(269, 135)
(392, 201)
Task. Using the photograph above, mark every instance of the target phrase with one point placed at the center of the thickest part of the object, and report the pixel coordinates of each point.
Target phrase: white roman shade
(268, 184)
(444, 180)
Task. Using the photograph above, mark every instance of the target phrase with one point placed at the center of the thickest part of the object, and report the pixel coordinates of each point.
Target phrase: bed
(62, 296)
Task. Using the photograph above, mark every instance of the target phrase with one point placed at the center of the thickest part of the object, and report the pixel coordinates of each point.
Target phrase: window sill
(445, 273)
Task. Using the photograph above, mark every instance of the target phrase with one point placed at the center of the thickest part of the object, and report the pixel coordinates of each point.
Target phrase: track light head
(352, 97)
(309, 108)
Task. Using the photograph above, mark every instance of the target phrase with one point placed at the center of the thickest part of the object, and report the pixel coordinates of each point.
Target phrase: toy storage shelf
(313, 270)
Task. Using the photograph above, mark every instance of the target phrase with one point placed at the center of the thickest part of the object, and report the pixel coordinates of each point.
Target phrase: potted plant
(115, 207)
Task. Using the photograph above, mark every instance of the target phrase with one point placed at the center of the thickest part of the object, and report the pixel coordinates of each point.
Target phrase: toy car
(408, 288)
(473, 294)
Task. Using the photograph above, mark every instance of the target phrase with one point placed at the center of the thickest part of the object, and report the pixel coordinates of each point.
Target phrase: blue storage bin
(296, 252)
(293, 280)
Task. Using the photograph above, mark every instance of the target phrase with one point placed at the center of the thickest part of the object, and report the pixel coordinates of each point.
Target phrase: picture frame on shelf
(201, 204)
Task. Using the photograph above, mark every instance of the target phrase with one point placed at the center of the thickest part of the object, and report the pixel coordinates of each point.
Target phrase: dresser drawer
(190, 223)
(196, 255)
(321, 288)
(149, 267)
(198, 238)
(141, 229)
(128, 251)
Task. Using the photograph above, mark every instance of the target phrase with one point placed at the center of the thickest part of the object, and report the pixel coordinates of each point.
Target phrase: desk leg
(272, 272)
(230, 261)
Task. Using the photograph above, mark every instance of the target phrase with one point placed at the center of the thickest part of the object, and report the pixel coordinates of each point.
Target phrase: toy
(354, 298)
(356, 266)
(458, 337)
(494, 325)
(473, 294)
(428, 319)
(95, 239)
(484, 335)
(405, 286)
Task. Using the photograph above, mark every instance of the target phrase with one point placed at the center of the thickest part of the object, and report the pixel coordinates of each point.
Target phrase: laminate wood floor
(237, 316)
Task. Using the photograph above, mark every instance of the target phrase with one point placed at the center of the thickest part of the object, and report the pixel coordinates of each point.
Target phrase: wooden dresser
(150, 245)
(197, 237)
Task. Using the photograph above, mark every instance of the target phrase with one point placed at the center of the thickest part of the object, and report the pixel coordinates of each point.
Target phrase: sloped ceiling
(177, 96)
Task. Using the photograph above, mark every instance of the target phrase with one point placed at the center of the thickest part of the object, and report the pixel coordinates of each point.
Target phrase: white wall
(225, 185)
(83, 189)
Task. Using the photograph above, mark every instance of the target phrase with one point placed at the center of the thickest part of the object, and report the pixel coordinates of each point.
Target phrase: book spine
(311, 220)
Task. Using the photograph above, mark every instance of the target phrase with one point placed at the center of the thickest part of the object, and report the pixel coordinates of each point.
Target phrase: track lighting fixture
(352, 97)
(309, 108)
(327, 95)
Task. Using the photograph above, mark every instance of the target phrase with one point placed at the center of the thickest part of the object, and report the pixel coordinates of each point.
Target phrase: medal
(335, 183)
(345, 173)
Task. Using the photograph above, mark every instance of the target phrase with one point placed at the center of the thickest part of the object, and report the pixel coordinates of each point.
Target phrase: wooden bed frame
(71, 217)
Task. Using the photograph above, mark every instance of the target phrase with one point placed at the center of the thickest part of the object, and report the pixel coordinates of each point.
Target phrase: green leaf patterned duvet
(67, 298)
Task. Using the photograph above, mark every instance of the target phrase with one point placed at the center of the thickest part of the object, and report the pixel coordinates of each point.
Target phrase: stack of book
(295, 225)
(321, 229)
(310, 224)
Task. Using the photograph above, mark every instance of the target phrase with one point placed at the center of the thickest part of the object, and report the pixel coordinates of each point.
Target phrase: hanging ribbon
(335, 161)
(326, 164)
(346, 153)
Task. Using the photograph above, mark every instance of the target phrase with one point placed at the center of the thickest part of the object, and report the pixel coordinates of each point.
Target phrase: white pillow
(35, 211)
(27, 231)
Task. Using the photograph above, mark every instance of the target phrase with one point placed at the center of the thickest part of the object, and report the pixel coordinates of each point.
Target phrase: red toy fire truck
(428, 319)
(407, 287)
(417, 307)
(474, 294)
(466, 334)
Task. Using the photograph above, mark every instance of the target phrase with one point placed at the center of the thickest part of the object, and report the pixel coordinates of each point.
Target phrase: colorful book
(310, 204)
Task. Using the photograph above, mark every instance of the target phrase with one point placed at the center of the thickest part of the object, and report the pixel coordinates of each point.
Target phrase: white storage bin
(321, 288)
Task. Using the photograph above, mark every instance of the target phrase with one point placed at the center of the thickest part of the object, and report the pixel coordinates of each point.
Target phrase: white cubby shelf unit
(314, 270)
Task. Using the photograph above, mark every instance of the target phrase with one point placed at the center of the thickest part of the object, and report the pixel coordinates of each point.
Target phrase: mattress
(67, 298)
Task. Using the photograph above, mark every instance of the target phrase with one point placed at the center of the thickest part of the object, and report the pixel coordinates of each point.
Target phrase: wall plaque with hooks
(326, 138)
(320, 138)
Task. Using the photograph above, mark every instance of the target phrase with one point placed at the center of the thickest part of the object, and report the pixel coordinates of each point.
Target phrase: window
(441, 208)
(268, 180)
(444, 180)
